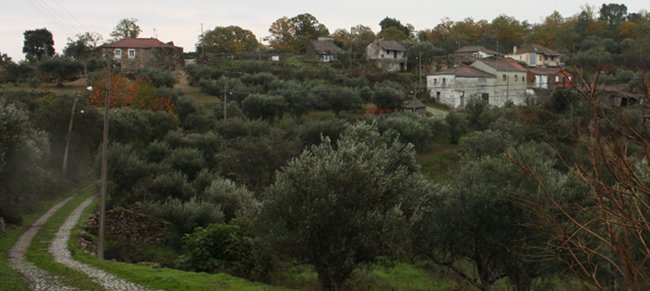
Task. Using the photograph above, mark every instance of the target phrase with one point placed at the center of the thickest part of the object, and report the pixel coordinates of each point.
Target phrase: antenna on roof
(155, 34)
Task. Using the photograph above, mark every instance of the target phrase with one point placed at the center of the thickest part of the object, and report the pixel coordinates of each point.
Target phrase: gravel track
(61, 253)
(38, 279)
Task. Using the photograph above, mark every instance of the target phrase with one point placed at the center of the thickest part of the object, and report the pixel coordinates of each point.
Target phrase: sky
(181, 21)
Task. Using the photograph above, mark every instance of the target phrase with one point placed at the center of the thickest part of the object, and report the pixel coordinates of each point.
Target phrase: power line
(71, 15)
(50, 17)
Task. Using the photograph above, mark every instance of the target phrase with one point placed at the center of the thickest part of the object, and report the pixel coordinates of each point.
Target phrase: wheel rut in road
(62, 255)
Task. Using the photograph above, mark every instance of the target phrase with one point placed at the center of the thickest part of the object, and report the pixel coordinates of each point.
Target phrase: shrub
(218, 248)
(185, 216)
(159, 78)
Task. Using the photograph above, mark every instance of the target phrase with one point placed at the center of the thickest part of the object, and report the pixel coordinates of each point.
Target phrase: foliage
(218, 248)
(188, 161)
(23, 153)
(412, 128)
(480, 218)
(159, 78)
(388, 95)
(235, 201)
(480, 144)
(293, 34)
(268, 107)
(337, 98)
(227, 40)
(61, 69)
(126, 28)
(252, 160)
(202, 72)
(139, 93)
(82, 47)
(338, 206)
(298, 98)
(17, 73)
(393, 29)
(457, 124)
(38, 44)
(186, 216)
(312, 132)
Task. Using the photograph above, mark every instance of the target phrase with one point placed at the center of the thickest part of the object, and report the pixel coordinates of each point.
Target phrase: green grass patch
(161, 278)
(401, 276)
(39, 254)
(12, 280)
(440, 162)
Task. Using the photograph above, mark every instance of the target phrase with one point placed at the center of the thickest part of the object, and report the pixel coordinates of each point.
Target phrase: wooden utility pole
(67, 136)
(104, 168)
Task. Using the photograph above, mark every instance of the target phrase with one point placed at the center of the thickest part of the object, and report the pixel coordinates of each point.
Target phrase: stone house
(133, 54)
(537, 56)
(389, 56)
(324, 49)
(492, 80)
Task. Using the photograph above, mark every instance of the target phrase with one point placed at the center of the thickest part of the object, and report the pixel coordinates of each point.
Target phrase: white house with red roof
(494, 81)
(133, 54)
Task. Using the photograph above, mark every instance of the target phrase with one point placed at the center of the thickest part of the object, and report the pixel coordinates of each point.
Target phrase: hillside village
(474, 155)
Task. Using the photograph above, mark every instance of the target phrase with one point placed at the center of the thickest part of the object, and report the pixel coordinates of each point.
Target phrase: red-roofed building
(133, 54)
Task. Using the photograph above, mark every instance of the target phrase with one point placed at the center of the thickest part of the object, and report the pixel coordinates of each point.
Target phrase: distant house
(456, 86)
(536, 56)
(136, 53)
(324, 49)
(492, 80)
(389, 56)
(476, 52)
(549, 78)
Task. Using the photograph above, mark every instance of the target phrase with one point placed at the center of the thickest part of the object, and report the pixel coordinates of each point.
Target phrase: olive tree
(340, 205)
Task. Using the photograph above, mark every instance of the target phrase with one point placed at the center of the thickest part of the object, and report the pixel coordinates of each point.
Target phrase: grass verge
(39, 254)
(12, 280)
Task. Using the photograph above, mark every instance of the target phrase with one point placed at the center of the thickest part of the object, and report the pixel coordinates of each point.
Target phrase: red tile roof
(465, 71)
(138, 43)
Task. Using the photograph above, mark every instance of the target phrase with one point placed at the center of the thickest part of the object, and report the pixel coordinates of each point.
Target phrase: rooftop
(476, 48)
(138, 43)
(391, 45)
(466, 72)
(325, 47)
(501, 65)
(535, 48)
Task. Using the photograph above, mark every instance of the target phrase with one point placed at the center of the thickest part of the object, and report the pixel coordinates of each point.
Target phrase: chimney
(514, 50)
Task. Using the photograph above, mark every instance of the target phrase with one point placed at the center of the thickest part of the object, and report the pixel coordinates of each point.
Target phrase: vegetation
(278, 176)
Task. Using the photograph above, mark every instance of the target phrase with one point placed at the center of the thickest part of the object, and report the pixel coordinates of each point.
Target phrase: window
(435, 81)
(117, 53)
(504, 77)
(523, 79)
(438, 96)
(516, 78)
(131, 53)
(444, 81)
(485, 97)
(557, 79)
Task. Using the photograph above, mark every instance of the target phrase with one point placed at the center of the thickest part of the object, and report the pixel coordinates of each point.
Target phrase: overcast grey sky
(180, 21)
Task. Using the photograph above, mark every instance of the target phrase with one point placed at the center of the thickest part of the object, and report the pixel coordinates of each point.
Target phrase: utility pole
(67, 136)
(104, 168)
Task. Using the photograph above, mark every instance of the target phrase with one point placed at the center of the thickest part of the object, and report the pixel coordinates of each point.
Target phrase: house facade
(536, 56)
(494, 81)
(549, 78)
(133, 54)
(389, 56)
(324, 49)
(456, 86)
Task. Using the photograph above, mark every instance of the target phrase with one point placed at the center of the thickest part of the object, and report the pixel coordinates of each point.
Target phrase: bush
(185, 216)
(188, 161)
(218, 248)
(159, 78)
(235, 201)
(196, 73)
(268, 107)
